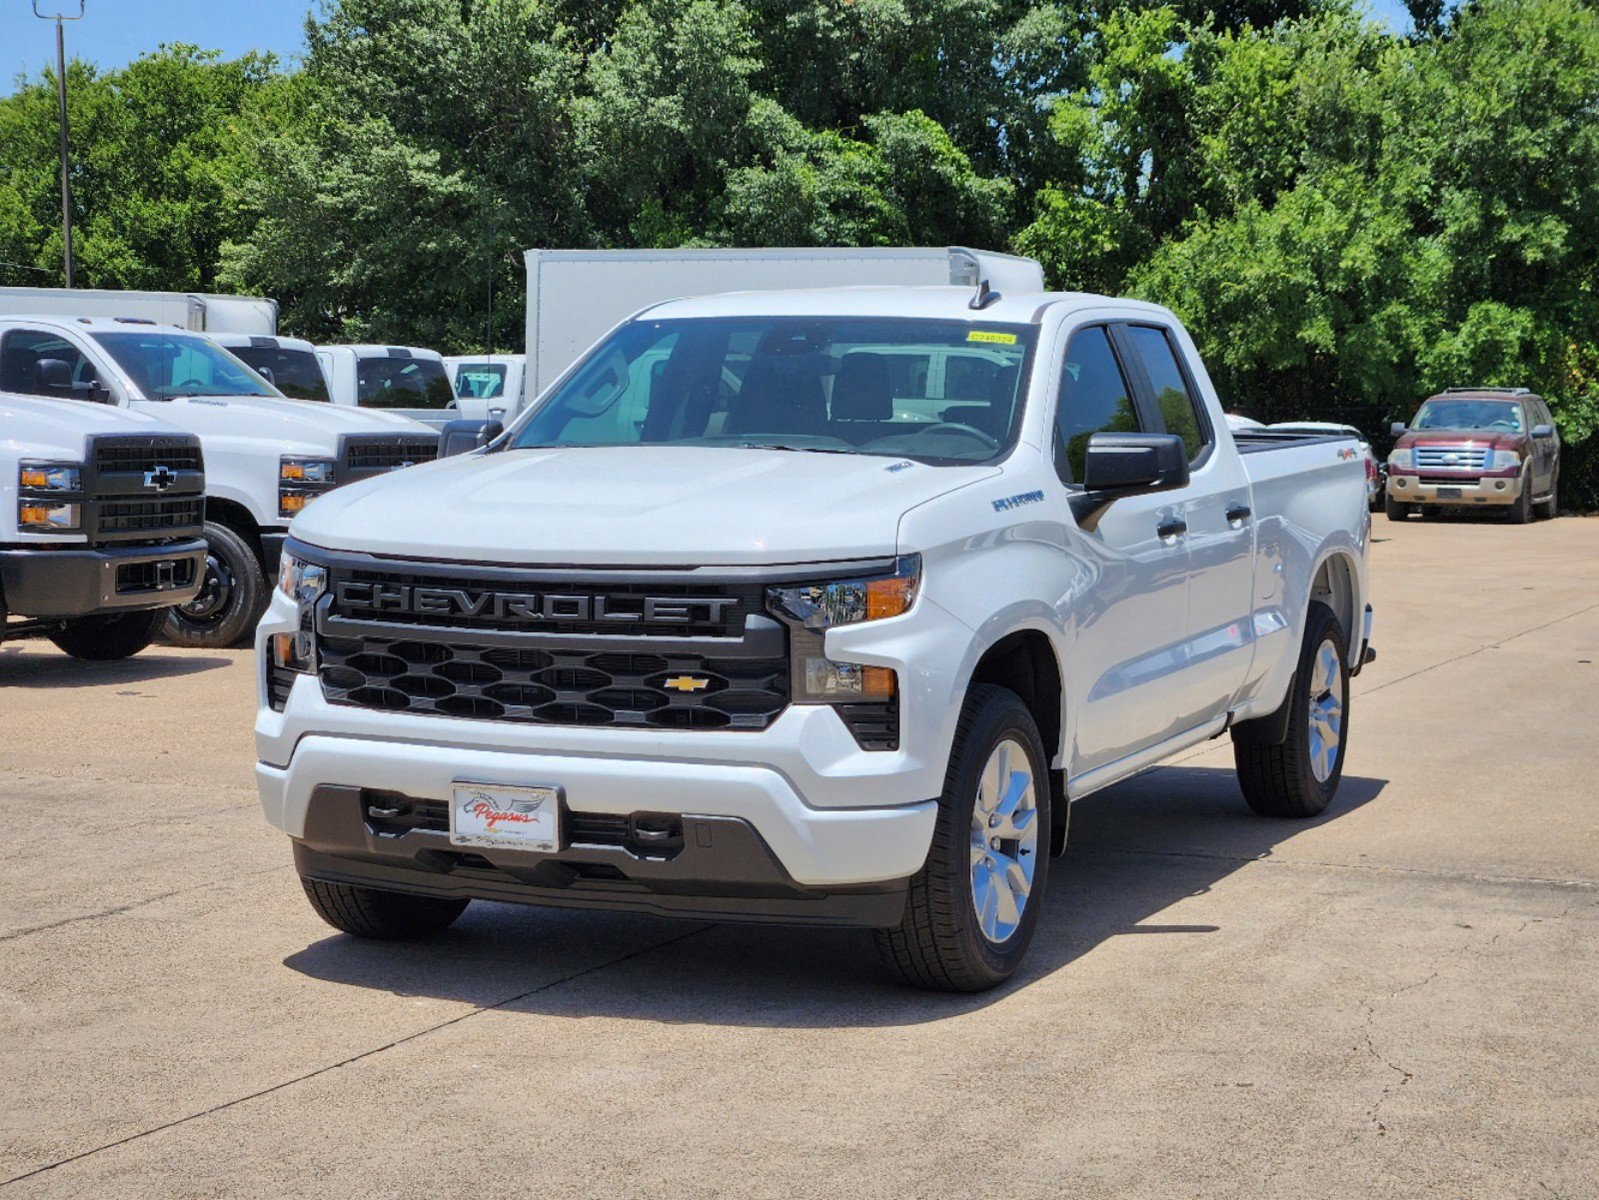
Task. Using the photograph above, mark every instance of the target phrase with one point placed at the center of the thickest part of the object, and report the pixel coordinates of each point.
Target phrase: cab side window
(1094, 398)
(1179, 409)
(36, 363)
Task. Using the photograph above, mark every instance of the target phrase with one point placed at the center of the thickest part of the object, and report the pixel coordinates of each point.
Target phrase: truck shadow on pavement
(1136, 850)
(29, 665)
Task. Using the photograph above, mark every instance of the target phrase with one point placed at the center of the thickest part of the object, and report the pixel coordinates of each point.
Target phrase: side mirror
(1399, 429)
(52, 376)
(461, 437)
(266, 374)
(1543, 431)
(1133, 464)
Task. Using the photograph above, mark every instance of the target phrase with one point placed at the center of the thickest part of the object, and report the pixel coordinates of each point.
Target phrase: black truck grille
(555, 686)
(377, 454)
(147, 455)
(143, 488)
(150, 516)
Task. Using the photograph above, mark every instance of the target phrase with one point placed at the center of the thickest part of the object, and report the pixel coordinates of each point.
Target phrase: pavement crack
(136, 904)
(355, 1058)
(1480, 649)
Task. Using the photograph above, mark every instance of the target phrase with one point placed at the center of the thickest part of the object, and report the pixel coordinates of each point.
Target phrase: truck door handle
(1237, 513)
(1171, 527)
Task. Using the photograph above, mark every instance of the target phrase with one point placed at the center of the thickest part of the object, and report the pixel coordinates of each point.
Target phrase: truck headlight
(1504, 460)
(302, 480)
(39, 516)
(810, 609)
(301, 581)
(1404, 460)
(50, 477)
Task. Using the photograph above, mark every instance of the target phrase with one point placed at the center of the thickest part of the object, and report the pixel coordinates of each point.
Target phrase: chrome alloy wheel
(1326, 711)
(1004, 840)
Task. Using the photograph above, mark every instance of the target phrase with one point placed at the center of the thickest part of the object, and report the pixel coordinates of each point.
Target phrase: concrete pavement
(1396, 999)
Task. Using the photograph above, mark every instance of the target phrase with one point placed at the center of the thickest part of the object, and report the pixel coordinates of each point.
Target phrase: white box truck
(198, 311)
(574, 297)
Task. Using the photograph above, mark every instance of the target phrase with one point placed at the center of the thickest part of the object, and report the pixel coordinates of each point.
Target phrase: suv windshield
(1503, 415)
(936, 391)
(480, 381)
(177, 364)
(401, 383)
(294, 372)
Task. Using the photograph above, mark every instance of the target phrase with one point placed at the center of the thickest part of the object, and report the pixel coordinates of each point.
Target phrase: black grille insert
(118, 459)
(149, 516)
(379, 453)
(555, 686)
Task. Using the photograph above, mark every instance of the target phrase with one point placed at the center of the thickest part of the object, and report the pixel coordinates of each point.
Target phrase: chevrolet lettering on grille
(357, 596)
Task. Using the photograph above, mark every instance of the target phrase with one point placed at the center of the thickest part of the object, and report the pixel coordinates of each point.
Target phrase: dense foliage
(1347, 218)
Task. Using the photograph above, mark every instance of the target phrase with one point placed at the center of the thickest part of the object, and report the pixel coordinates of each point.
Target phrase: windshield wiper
(794, 449)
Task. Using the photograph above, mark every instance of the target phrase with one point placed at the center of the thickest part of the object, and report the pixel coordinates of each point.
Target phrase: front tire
(386, 916)
(1298, 776)
(232, 597)
(105, 639)
(1395, 510)
(975, 903)
(1521, 510)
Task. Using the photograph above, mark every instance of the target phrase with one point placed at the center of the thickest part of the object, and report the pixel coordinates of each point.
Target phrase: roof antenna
(984, 297)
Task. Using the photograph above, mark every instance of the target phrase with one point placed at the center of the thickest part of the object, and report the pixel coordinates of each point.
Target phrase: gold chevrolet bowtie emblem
(687, 683)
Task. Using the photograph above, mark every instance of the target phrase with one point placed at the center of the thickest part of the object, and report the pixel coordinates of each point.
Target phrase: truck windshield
(176, 364)
(294, 372)
(401, 383)
(480, 381)
(937, 391)
(1502, 415)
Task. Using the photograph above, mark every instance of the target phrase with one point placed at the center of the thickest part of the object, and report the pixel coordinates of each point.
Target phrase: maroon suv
(1474, 446)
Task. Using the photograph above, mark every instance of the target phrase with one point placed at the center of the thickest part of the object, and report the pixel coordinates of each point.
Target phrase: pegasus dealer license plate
(506, 817)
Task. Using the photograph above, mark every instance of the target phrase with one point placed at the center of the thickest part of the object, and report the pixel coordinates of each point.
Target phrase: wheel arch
(1336, 583)
(238, 518)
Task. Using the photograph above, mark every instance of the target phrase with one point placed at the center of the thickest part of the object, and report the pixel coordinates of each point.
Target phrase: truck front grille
(146, 455)
(377, 454)
(133, 517)
(554, 686)
(143, 488)
(1455, 458)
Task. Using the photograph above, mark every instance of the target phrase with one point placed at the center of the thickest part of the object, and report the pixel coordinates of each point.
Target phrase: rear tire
(1299, 776)
(1394, 509)
(1521, 510)
(105, 639)
(232, 597)
(387, 916)
(973, 907)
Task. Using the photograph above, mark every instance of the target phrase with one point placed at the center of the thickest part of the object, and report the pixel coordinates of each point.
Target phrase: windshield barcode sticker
(992, 336)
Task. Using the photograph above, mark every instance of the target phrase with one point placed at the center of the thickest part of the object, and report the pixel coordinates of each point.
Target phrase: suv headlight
(1404, 459)
(1504, 460)
(301, 581)
(49, 497)
(302, 480)
(810, 609)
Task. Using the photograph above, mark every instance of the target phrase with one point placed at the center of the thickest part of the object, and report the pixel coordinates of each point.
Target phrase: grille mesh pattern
(136, 460)
(553, 687)
(147, 516)
(1464, 458)
(370, 458)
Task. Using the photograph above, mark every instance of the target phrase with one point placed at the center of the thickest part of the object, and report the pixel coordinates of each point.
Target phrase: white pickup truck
(266, 456)
(100, 518)
(810, 606)
(407, 380)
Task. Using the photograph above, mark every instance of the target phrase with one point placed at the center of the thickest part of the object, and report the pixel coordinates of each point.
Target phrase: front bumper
(1486, 489)
(79, 582)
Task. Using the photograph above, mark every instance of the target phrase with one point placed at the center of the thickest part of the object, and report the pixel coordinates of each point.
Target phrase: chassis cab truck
(100, 520)
(267, 457)
(810, 606)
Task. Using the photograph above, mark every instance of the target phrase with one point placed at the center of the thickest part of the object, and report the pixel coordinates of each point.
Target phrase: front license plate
(506, 817)
(1448, 493)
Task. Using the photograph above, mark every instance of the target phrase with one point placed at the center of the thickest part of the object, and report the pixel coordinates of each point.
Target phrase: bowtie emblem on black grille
(160, 478)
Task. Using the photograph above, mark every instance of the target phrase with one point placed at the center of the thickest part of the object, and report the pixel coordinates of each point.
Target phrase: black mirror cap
(1131, 464)
(1543, 431)
(1399, 429)
(461, 437)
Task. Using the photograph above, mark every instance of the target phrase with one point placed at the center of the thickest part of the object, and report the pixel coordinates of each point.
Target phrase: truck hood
(1492, 439)
(279, 420)
(39, 428)
(634, 506)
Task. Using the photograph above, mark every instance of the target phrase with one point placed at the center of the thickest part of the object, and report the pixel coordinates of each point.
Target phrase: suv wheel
(232, 596)
(1550, 508)
(1394, 509)
(387, 916)
(102, 639)
(1298, 776)
(973, 907)
(1521, 510)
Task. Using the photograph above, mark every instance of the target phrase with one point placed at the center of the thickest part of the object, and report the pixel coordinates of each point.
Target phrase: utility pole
(61, 99)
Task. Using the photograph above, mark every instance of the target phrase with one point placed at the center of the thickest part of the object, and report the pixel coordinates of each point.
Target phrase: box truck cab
(100, 518)
(288, 364)
(266, 456)
(488, 387)
(405, 380)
